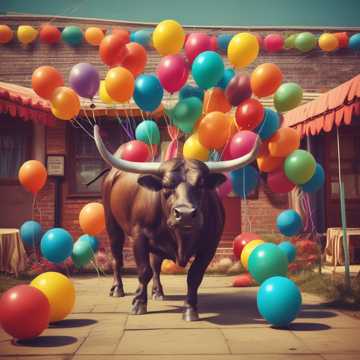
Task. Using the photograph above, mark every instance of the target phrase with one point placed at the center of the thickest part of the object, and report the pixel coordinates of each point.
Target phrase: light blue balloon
(207, 69)
(148, 132)
(132, 36)
(354, 42)
(289, 249)
(143, 37)
(316, 182)
(31, 233)
(223, 41)
(191, 91)
(244, 180)
(269, 125)
(228, 75)
(289, 222)
(279, 301)
(92, 240)
(148, 92)
(56, 245)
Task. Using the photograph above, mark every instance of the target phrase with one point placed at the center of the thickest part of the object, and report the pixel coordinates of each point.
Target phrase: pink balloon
(260, 40)
(279, 183)
(195, 44)
(274, 42)
(225, 153)
(173, 72)
(242, 143)
(225, 188)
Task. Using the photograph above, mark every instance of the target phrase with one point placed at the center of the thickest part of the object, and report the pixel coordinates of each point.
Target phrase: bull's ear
(215, 179)
(150, 182)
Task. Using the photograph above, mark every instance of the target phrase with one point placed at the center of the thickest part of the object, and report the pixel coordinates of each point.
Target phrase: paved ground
(230, 328)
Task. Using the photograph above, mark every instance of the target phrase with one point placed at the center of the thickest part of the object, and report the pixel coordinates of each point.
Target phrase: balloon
(268, 163)
(223, 41)
(354, 42)
(238, 89)
(120, 84)
(207, 69)
(289, 222)
(243, 280)
(215, 100)
(24, 312)
(290, 41)
(142, 37)
(328, 42)
(6, 34)
(172, 72)
(213, 43)
(31, 233)
(59, 291)
(289, 250)
(72, 35)
(82, 253)
(269, 125)
(244, 180)
(243, 49)
(284, 142)
(32, 175)
(135, 150)
(316, 181)
(249, 114)
(267, 260)
(194, 150)
(241, 241)
(103, 94)
(265, 79)
(305, 41)
(92, 218)
(49, 34)
(148, 92)
(45, 79)
(213, 131)
(242, 143)
(135, 58)
(56, 245)
(273, 42)
(279, 183)
(191, 91)
(196, 43)
(121, 32)
(26, 34)
(225, 188)
(287, 97)
(66, 103)
(94, 36)
(300, 166)
(168, 37)
(343, 39)
(186, 113)
(91, 240)
(229, 73)
(84, 79)
(112, 49)
(247, 250)
(148, 132)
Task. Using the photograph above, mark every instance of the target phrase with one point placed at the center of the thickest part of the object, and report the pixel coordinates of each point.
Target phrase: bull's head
(182, 185)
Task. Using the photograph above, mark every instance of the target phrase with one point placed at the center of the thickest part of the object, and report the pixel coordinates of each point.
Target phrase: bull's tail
(103, 172)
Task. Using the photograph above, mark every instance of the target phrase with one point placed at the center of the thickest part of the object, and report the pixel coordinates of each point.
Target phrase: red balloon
(274, 42)
(243, 280)
(241, 240)
(279, 183)
(112, 49)
(238, 89)
(135, 58)
(249, 114)
(213, 43)
(49, 34)
(196, 43)
(124, 34)
(135, 150)
(24, 312)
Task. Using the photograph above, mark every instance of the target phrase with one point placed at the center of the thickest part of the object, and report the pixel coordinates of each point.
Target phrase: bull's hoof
(190, 314)
(158, 295)
(117, 291)
(138, 308)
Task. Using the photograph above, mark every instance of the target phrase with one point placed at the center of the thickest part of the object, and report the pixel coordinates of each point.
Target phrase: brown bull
(168, 210)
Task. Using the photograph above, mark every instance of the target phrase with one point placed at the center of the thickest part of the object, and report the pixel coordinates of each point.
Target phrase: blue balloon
(269, 125)
(191, 91)
(56, 245)
(143, 37)
(289, 249)
(279, 300)
(289, 222)
(228, 75)
(244, 180)
(132, 36)
(223, 41)
(354, 42)
(316, 182)
(148, 92)
(148, 132)
(31, 233)
(91, 240)
(207, 69)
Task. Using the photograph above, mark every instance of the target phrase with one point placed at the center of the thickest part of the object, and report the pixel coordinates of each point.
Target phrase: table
(12, 252)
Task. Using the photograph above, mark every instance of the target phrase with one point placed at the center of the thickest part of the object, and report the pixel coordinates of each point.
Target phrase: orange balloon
(213, 130)
(169, 267)
(232, 126)
(65, 103)
(265, 79)
(92, 218)
(215, 100)
(135, 58)
(112, 49)
(32, 175)
(94, 35)
(268, 163)
(45, 79)
(6, 34)
(284, 142)
(119, 84)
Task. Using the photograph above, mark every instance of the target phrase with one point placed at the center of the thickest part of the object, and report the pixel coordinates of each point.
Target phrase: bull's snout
(184, 215)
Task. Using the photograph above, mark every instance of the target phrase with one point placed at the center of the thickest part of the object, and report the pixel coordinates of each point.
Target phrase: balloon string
(148, 137)
(93, 115)
(121, 123)
(131, 122)
(246, 210)
(87, 117)
(33, 235)
(83, 128)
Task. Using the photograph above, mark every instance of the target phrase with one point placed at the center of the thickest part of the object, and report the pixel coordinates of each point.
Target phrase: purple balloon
(238, 89)
(84, 79)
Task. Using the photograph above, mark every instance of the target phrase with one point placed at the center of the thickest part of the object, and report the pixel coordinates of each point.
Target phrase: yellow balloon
(26, 34)
(328, 42)
(247, 250)
(243, 49)
(103, 94)
(168, 37)
(193, 150)
(60, 292)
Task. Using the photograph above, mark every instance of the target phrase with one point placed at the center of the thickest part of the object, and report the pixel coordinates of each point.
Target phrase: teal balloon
(299, 166)
(191, 91)
(148, 92)
(31, 233)
(289, 250)
(287, 97)
(316, 181)
(267, 260)
(289, 222)
(269, 125)
(56, 245)
(142, 37)
(207, 69)
(148, 132)
(305, 41)
(229, 73)
(72, 35)
(82, 253)
(354, 42)
(244, 180)
(223, 41)
(290, 41)
(92, 240)
(186, 113)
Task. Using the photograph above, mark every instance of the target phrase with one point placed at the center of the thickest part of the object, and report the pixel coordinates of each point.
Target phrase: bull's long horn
(124, 165)
(230, 165)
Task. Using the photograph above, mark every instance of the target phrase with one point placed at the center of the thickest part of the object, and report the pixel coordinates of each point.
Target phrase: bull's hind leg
(157, 289)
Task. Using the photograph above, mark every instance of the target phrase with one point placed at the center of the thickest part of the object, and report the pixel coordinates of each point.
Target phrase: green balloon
(186, 113)
(148, 132)
(288, 96)
(290, 41)
(72, 35)
(300, 166)
(305, 41)
(82, 253)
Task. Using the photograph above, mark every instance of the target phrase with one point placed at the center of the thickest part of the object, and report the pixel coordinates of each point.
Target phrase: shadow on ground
(47, 341)
(71, 323)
